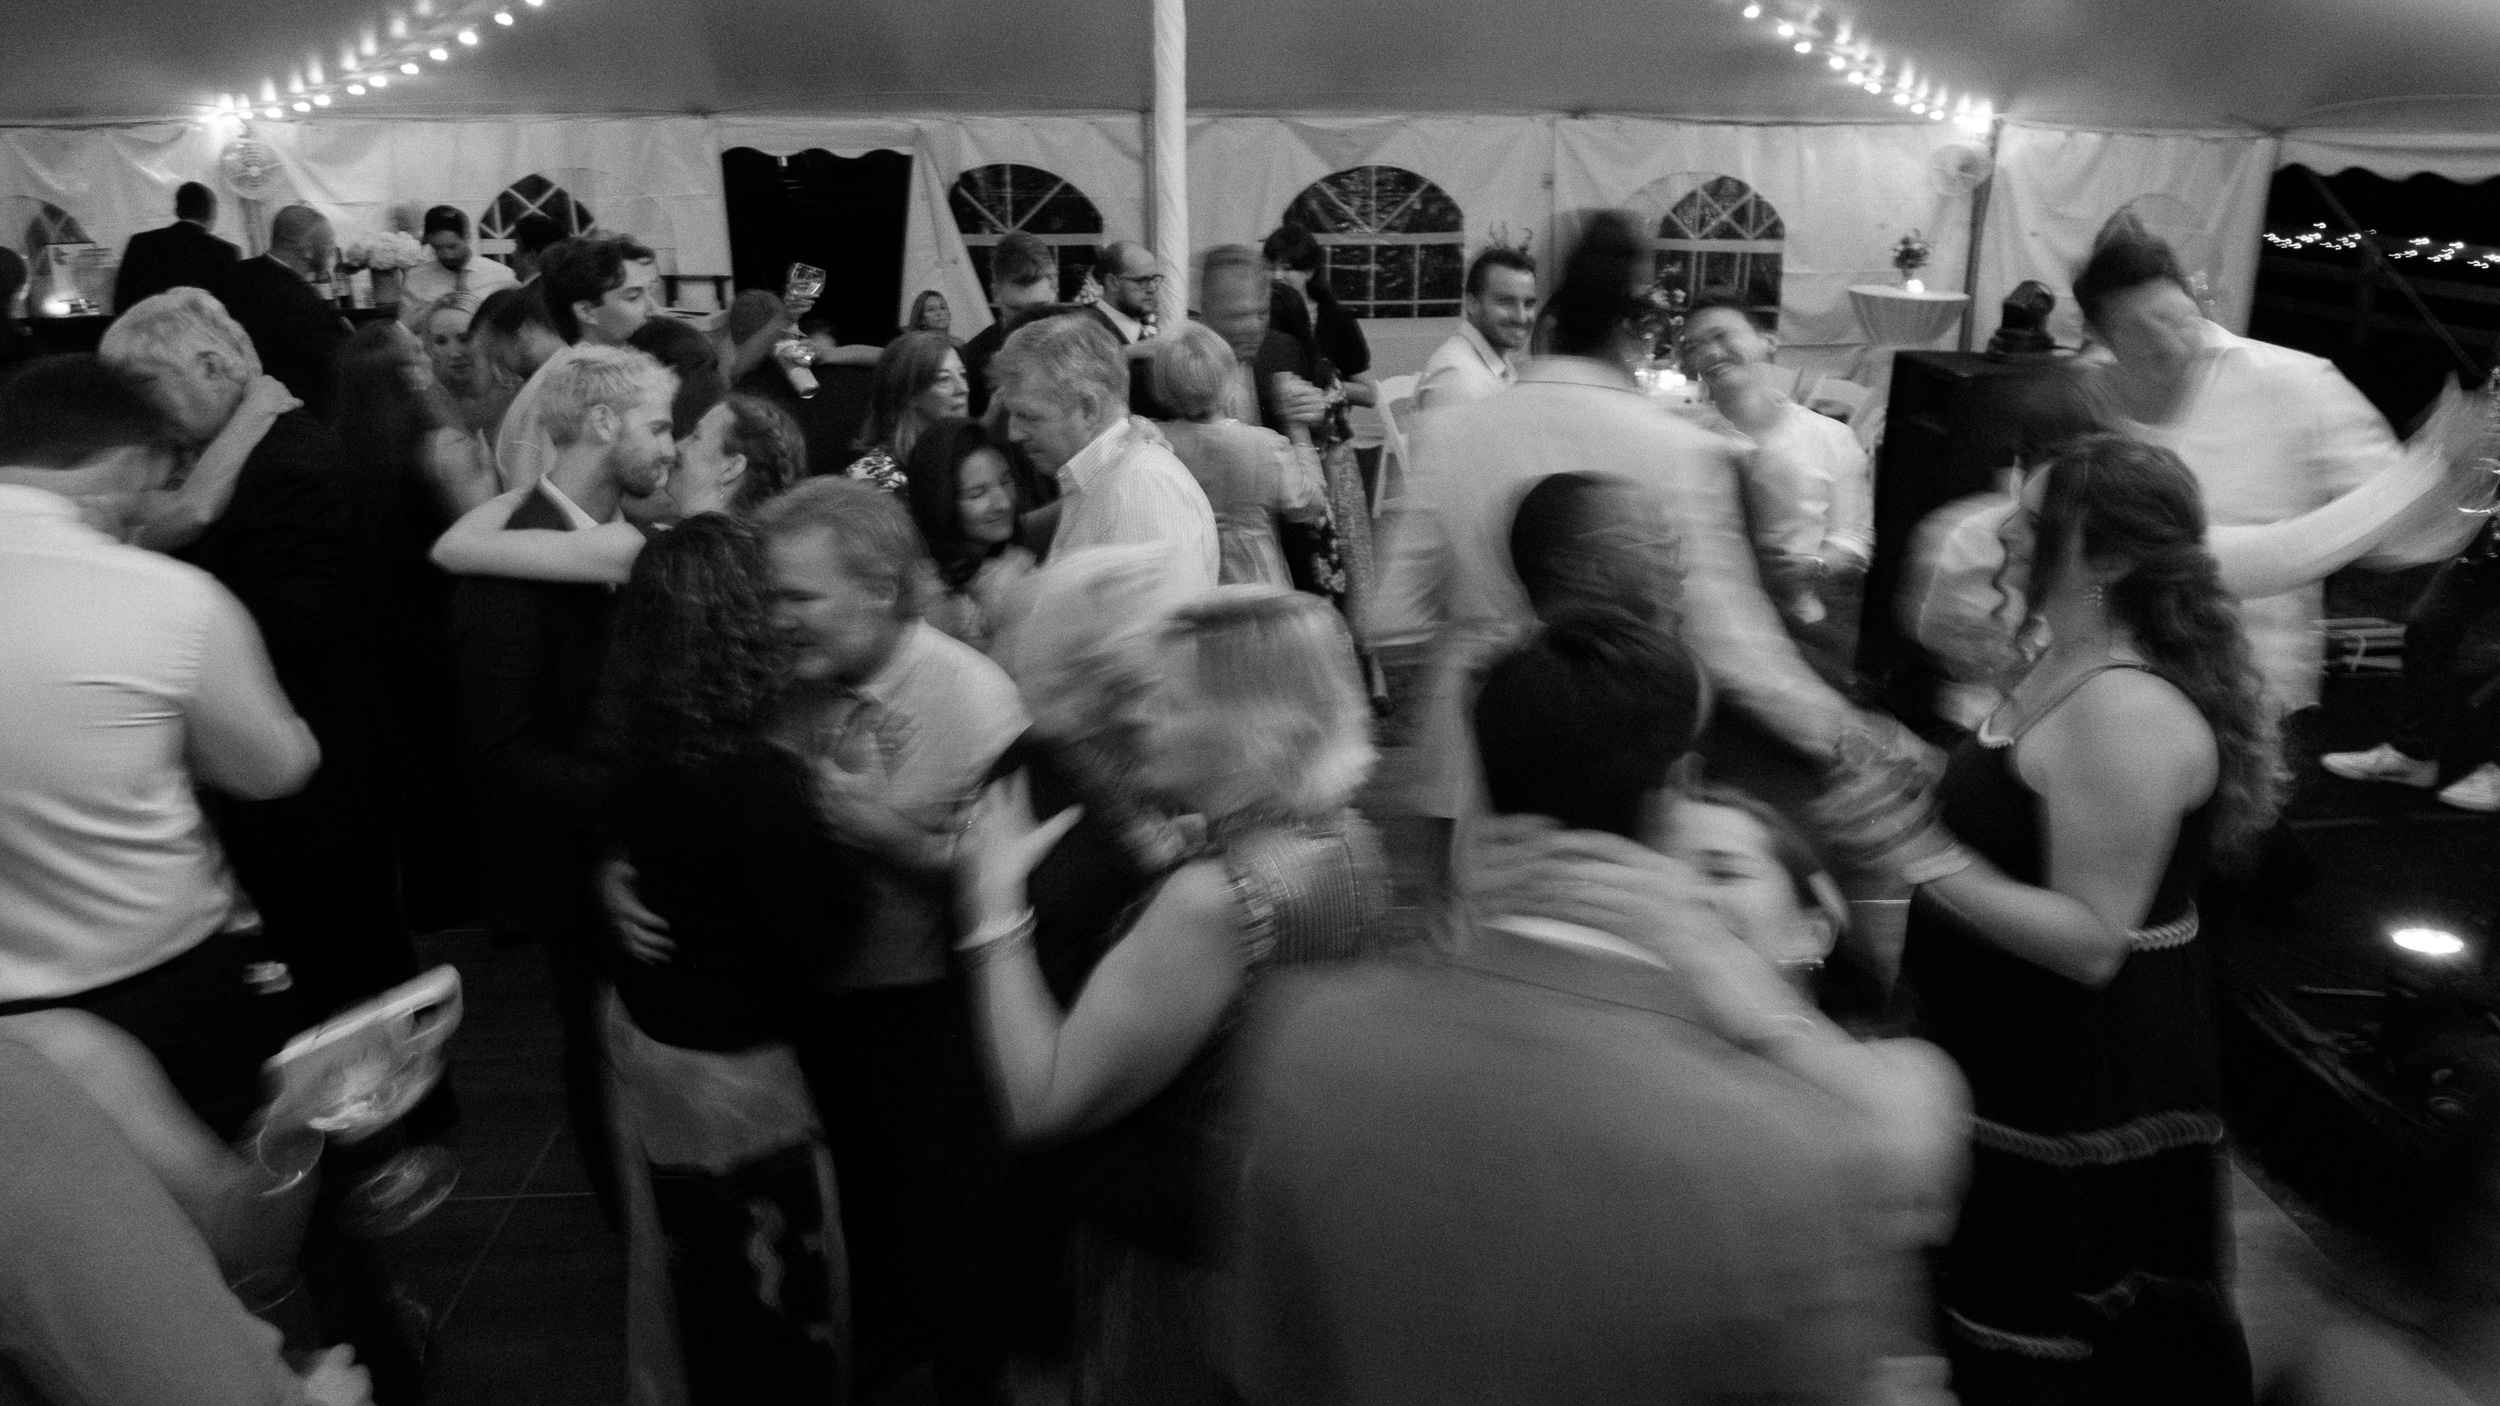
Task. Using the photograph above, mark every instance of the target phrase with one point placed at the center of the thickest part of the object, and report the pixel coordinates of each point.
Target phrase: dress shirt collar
(1494, 361)
(892, 679)
(1085, 468)
(572, 511)
(1130, 328)
(1578, 371)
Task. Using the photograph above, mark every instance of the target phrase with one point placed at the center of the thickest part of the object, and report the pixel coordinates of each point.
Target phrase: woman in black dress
(2056, 957)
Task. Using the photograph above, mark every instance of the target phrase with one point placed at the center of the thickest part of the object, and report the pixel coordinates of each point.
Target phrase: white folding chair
(1397, 412)
(1837, 397)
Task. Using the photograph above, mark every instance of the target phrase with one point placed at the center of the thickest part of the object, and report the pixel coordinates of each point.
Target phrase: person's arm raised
(1147, 1009)
(480, 545)
(168, 520)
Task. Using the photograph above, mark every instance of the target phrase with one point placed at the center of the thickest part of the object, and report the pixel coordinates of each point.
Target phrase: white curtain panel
(1102, 155)
(1846, 193)
(114, 181)
(2056, 187)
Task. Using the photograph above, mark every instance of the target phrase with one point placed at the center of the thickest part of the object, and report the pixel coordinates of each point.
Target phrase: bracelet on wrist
(995, 937)
(1952, 860)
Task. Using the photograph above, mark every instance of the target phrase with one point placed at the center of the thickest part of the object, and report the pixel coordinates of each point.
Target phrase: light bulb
(410, 68)
(468, 36)
(355, 90)
(1874, 87)
(1804, 46)
(1837, 63)
(534, 4)
(321, 100)
(2429, 942)
(302, 106)
(1918, 109)
(1935, 114)
(1786, 30)
(273, 112)
(503, 17)
(439, 54)
(1752, 12)
(1901, 100)
(381, 80)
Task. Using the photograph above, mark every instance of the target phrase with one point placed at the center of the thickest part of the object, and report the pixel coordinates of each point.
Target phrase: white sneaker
(2478, 789)
(2382, 763)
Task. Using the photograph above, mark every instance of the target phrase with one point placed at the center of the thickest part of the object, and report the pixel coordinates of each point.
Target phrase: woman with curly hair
(2056, 957)
(712, 1115)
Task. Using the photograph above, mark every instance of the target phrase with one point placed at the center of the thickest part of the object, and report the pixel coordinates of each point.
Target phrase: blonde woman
(1254, 477)
(1255, 722)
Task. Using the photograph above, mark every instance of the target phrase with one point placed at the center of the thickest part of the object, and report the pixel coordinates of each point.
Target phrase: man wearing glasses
(1130, 280)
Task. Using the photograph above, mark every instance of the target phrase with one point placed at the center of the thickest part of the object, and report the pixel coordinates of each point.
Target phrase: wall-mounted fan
(1960, 168)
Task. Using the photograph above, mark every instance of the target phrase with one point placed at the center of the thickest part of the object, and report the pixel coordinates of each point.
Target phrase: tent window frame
(495, 223)
(993, 201)
(51, 225)
(1395, 243)
(1718, 231)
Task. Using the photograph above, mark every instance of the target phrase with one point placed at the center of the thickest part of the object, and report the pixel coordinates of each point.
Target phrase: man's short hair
(506, 311)
(1021, 258)
(1192, 366)
(585, 269)
(690, 356)
(1585, 720)
(58, 412)
(174, 326)
(1231, 261)
(535, 233)
(2126, 256)
(193, 201)
(445, 217)
(292, 226)
(1599, 289)
(871, 531)
(1720, 298)
(1496, 256)
(617, 377)
(1293, 247)
(1062, 358)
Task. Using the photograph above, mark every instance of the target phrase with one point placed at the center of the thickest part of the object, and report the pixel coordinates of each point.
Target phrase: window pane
(1442, 272)
(1395, 282)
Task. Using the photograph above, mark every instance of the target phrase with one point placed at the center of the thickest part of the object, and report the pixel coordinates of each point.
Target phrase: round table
(1893, 316)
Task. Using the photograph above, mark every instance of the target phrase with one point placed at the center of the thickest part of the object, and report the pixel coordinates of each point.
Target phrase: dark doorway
(843, 214)
(2317, 290)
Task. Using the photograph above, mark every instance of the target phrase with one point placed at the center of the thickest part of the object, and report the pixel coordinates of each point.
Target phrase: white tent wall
(114, 181)
(2055, 188)
(2459, 156)
(1846, 193)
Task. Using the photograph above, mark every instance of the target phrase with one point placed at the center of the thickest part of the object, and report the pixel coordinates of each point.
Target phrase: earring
(2098, 595)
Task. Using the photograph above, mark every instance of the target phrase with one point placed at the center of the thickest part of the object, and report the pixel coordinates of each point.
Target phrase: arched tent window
(533, 194)
(991, 202)
(1717, 232)
(1396, 243)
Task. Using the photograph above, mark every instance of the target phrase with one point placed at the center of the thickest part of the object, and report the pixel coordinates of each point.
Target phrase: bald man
(282, 300)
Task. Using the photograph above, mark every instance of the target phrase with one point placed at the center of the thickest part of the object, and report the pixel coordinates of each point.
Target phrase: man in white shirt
(901, 724)
(455, 267)
(1065, 386)
(1809, 493)
(598, 290)
(131, 679)
(1500, 309)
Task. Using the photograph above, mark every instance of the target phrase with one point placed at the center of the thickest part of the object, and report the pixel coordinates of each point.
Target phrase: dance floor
(526, 1282)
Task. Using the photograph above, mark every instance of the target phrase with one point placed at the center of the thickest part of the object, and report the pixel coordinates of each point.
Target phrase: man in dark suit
(1572, 1163)
(181, 255)
(1024, 274)
(297, 330)
(528, 655)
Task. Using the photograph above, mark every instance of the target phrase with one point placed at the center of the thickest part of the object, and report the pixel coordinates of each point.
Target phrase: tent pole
(1978, 231)
(1170, 145)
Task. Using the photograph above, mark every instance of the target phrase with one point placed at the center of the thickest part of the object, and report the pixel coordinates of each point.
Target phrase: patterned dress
(2087, 1265)
(877, 466)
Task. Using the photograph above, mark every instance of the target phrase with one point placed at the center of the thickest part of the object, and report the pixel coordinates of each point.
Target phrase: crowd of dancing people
(958, 850)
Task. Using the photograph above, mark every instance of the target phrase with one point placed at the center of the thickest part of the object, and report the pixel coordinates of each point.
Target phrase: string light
(1837, 62)
(439, 54)
(410, 68)
(1753, 12)
(355, 90)
(1785, 30)
(503, 17)
(363, 64)
(321, 100)
(468, 36)
(380, 80)
(1804, 46)
(1856, 64)
(2428, 250)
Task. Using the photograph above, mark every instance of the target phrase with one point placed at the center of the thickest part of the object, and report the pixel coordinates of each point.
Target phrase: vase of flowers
(387, 254)
(1910, 255)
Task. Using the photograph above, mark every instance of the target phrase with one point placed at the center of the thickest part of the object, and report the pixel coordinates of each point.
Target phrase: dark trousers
(212, 1016)
(919, 1164)
(2466, 589)
(576, 953)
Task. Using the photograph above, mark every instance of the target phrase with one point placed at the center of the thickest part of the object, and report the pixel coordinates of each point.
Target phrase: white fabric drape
(1845, 193)
(2055, 188)
(1103, 156)
(115, 181)
(2459, 156)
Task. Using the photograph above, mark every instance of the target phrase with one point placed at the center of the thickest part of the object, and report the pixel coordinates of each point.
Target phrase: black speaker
(1950, 427)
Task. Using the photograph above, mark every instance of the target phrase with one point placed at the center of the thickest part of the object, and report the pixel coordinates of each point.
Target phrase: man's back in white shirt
(129, 679)
(1127, 487)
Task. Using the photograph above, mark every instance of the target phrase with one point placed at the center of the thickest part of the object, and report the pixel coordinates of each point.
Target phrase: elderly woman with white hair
(1254, 477)
(1253, 721)
(198, 366)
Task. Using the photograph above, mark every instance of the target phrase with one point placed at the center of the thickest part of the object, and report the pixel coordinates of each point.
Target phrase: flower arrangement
(387, 251)
(1910, 254)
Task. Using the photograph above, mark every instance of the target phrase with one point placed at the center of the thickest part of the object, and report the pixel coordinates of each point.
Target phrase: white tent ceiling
(2205, 64)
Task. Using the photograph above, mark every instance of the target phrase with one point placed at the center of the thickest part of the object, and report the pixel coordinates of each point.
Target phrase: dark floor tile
(506, 1114)
(543, 1320)
(431, 1258)
(561, 1170)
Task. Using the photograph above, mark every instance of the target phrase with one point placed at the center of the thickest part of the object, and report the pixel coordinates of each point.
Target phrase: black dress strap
(2073, 686)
